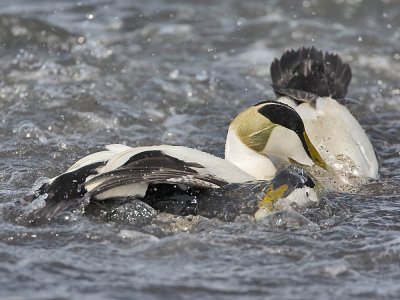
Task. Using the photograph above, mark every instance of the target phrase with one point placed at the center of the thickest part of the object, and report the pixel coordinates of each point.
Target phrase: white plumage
(337, 135)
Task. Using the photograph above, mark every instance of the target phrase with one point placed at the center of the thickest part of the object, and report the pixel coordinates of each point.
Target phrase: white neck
(253, 163)
(284, 143)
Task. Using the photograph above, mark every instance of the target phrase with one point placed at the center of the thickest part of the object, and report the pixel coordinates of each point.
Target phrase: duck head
(291, 185)
(272, 129)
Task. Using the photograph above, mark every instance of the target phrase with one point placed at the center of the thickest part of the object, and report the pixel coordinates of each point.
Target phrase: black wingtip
(312, 72)
(42, 209)
(65, 193)
(46, 203)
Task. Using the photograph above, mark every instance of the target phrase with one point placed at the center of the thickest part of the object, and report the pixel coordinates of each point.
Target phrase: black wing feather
(153, 175)
(65, 193)
(310, 73)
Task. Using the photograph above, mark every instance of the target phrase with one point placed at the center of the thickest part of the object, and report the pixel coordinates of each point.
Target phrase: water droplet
(28, 130)
(174, 74)
(240, 22)
(202, 76)
(38, 203)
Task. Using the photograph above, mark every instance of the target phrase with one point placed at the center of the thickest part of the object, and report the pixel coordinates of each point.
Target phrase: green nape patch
(252, 128)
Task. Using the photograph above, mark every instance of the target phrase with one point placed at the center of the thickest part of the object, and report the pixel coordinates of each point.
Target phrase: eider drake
(126, 172)
(314, 83)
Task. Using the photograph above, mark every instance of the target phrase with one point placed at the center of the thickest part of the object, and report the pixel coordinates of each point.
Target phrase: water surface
(78, 75)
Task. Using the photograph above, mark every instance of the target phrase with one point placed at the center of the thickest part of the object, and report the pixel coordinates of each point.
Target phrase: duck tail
(310, 73)
(64, 194)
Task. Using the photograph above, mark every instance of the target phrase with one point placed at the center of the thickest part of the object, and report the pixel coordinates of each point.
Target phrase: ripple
(17, 31)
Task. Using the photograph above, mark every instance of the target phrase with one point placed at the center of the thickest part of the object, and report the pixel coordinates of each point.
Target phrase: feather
(307, 73)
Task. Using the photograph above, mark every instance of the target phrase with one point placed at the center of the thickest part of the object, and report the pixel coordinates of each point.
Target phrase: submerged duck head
(272, 129)
(291, 185)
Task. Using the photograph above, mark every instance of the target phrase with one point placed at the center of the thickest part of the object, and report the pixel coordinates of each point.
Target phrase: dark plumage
(307, 73)
(163, 174)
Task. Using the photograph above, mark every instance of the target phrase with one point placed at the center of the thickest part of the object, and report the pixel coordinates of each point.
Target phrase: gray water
(78, 75)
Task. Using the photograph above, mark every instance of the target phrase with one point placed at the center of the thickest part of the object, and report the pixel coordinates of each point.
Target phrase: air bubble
(81, 40)
(202, 76)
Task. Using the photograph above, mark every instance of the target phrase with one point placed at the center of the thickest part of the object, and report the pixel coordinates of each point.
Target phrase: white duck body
(310, 80)
(338, 136)
(118, 155)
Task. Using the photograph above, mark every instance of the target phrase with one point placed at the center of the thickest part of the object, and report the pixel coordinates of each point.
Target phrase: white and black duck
(154, 172)
(314, 84)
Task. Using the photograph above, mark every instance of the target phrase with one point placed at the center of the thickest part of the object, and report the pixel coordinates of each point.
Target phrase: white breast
(338, 135)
